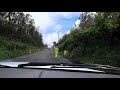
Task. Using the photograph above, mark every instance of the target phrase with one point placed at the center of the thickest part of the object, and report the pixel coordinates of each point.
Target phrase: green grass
(12, 48)
(5, 54)
(103, 55)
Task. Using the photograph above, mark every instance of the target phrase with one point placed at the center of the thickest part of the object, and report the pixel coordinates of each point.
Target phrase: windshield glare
(61, 37)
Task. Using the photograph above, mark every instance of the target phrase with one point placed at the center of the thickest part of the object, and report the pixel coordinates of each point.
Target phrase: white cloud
(43, 20)
(68, 32)
(48, 21)
(50, 38)
(77, 22)
(67, 15)
(57, 27)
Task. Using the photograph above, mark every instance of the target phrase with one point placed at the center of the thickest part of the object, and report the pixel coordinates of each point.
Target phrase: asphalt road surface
(41, 56)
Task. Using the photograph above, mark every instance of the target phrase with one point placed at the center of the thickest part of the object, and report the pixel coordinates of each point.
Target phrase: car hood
(12, 64)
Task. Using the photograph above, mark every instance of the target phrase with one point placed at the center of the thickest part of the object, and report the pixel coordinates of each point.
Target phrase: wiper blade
(66, 65)
(59, 66)
(55, 65)
(40, 64)
(108, 67)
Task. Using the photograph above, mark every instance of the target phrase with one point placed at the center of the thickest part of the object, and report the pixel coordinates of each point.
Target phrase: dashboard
(45, 73)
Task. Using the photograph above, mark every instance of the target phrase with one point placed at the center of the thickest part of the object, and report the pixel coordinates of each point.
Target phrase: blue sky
(51, 22)
(66, 24)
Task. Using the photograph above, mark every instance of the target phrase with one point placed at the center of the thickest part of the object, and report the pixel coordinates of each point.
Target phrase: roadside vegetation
(97, 42)
(18, 35)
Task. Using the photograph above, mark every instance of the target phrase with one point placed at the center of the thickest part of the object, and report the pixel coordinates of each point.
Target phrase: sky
(50, 23)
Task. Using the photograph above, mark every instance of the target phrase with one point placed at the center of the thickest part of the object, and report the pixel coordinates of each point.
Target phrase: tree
(87, 20)
(20, 27)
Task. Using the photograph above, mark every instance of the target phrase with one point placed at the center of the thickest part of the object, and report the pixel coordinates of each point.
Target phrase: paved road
(42, 56)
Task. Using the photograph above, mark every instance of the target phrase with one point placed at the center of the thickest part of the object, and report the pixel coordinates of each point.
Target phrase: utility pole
(58, 38)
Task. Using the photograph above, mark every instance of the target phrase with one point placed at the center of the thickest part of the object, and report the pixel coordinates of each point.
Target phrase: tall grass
(12, 48)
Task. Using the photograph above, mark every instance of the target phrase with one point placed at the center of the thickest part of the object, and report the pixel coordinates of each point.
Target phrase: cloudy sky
(50, 23)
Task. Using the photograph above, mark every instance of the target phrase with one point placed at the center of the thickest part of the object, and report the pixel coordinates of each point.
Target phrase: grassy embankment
(13, 48)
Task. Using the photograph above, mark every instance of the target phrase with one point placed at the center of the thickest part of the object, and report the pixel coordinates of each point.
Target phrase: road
(41, 56)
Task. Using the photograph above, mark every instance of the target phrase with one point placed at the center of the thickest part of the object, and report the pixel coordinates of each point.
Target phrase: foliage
(18, 26)
(18, 35)
(96, 42)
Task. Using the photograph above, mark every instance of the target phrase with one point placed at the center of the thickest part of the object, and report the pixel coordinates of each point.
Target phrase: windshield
(61, 37)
